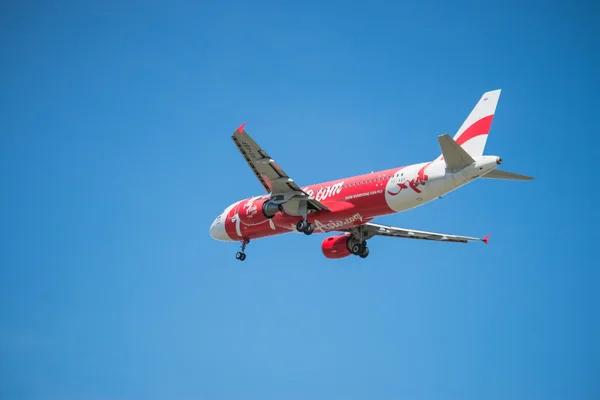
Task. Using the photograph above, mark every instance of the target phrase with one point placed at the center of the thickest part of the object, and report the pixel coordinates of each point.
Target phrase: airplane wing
(269, 173)
(371, 230)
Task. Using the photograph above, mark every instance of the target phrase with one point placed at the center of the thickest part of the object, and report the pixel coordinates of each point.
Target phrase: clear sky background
(115, 157)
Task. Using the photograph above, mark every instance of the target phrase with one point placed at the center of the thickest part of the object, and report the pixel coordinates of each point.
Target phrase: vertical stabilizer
(473, 133)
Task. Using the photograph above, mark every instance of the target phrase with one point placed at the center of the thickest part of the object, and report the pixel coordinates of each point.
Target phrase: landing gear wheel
(360, 249)
(364, 253)
(301, 226)
(240, 255)
(309, 229)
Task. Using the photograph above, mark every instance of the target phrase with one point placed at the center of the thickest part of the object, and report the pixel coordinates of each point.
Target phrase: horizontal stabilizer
(455, 156)
(496, 174)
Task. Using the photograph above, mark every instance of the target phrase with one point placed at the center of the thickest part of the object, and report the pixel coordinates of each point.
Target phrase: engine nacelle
(337, 246)
(269, 208)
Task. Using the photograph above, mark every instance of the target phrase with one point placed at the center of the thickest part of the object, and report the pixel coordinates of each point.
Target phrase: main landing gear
(358, 242)
(360, 249)
(304, 226)
(240, 254)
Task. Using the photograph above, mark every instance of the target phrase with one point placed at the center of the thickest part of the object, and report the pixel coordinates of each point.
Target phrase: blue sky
(115, 157)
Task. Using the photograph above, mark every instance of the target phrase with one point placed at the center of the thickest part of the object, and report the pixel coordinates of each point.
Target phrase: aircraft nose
(217, 230)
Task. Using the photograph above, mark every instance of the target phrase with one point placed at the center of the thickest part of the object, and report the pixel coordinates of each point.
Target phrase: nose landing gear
(240, 255)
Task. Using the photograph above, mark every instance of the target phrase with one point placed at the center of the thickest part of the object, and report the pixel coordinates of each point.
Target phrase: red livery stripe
(481, 127)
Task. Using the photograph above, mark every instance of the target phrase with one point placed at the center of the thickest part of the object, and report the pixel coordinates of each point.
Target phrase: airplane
(345, 208)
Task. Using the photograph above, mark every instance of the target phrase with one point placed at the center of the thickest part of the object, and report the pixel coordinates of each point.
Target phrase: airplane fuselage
(351, 201)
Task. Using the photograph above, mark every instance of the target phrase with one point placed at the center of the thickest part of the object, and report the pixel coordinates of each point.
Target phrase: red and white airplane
(347, 206)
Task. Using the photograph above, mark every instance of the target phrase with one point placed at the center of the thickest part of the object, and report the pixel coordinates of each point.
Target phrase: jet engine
(269, 208)
(336, 246)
